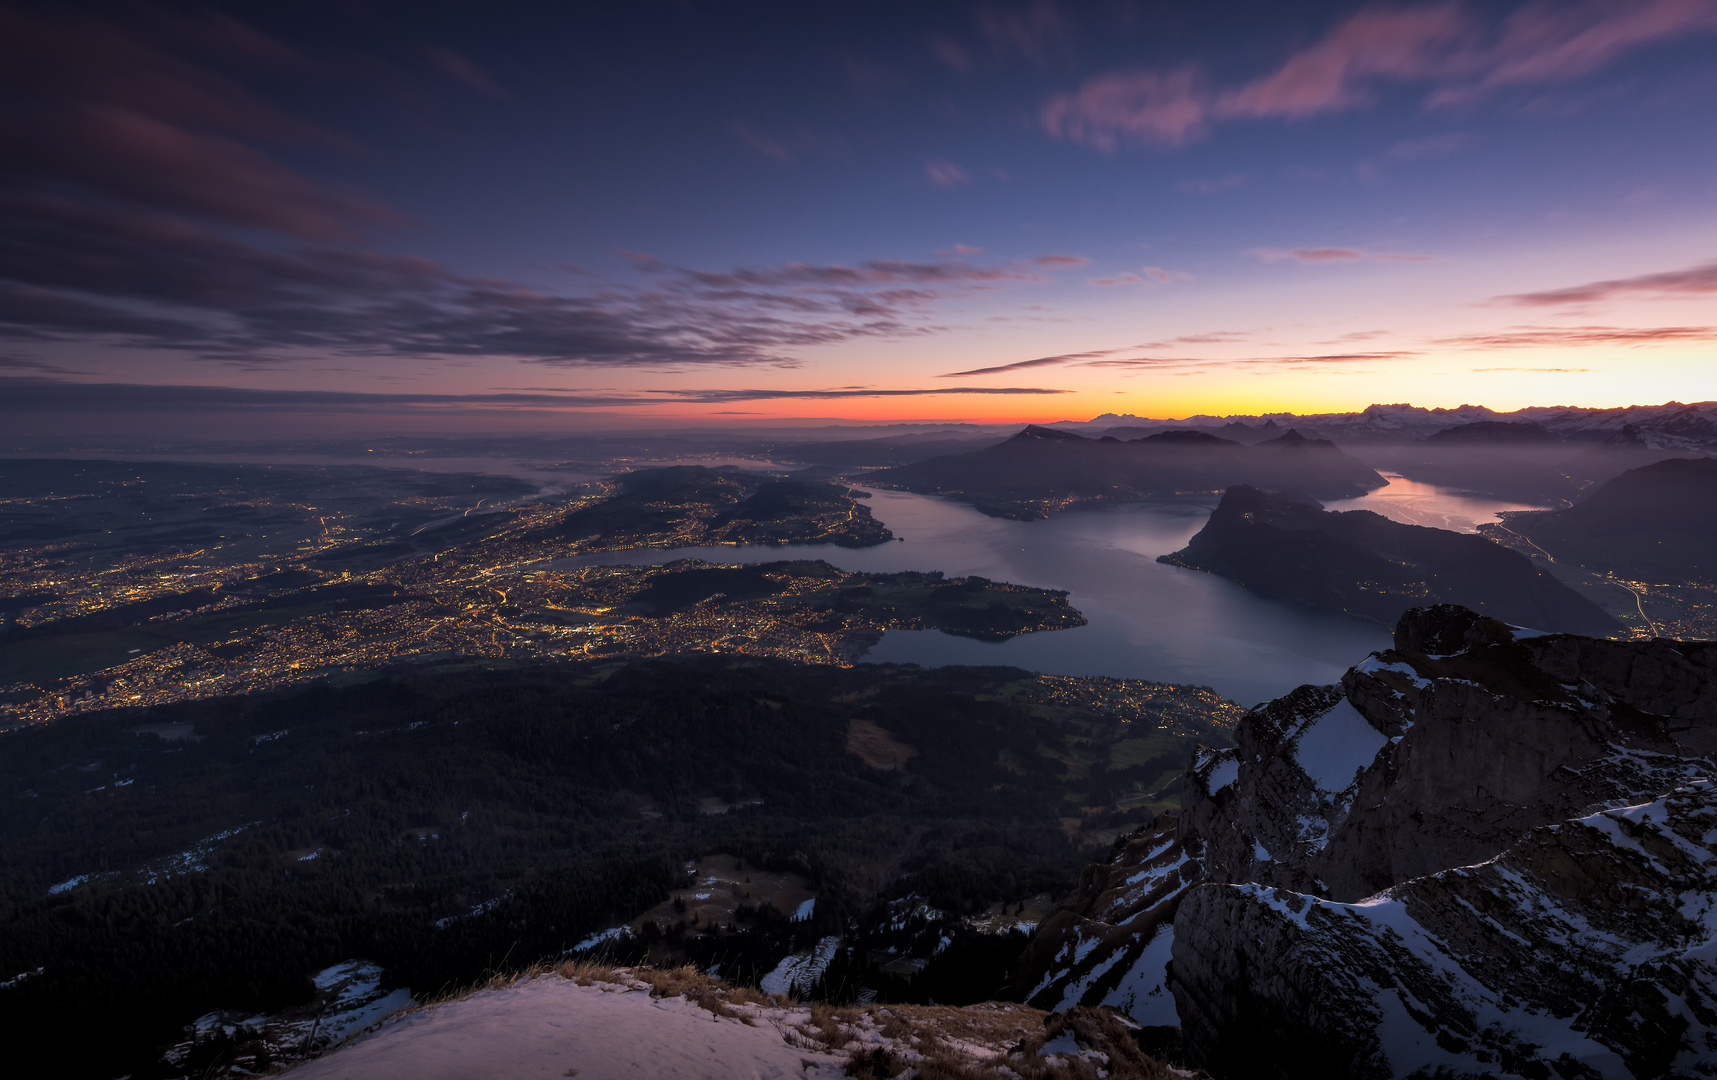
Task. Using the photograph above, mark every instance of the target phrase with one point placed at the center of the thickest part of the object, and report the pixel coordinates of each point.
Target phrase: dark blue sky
(1148, 207)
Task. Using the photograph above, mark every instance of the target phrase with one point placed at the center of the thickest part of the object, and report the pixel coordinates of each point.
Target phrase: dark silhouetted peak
(1668, 493)
(1285, 547)
(1294, 438)
(1493, 433)
(1184, 437)
(1035, 433)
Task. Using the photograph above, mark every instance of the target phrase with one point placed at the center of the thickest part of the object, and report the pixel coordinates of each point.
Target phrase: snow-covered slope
(1110, 944)
(1588, 949)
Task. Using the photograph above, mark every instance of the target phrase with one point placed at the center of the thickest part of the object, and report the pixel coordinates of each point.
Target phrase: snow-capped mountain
(1672, 425)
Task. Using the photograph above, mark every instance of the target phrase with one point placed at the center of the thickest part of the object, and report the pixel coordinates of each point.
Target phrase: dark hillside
(1359, 563)
(157, 864)
(1658, 521)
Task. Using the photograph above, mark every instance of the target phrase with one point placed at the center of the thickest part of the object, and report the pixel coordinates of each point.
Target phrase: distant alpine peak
(1038, 431)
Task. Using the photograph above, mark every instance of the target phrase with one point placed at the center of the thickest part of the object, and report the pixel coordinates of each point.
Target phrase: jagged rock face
(1444, 750)
(1586, 950)
(1264, 809)
(1425, 868)
(1109, 944)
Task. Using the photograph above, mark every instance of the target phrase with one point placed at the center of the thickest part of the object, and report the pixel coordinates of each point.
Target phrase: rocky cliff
(1488, 851)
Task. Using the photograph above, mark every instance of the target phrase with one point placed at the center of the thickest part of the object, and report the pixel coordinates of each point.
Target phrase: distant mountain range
(1044, 469)
(1672, 425)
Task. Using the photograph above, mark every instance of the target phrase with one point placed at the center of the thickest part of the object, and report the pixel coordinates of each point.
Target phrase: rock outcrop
(1445, 749)
(1488, 851)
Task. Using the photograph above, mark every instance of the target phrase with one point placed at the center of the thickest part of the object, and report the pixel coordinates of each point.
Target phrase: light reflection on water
(1427, 504)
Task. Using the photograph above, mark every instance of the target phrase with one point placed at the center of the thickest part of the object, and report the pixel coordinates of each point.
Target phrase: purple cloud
(1698, 280)
(1317, 256)
(946, 174)
(1443, 44)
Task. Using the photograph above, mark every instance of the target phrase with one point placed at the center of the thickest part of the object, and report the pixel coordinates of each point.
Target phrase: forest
(160, 863)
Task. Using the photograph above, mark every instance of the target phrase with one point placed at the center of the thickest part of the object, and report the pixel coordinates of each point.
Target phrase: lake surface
(1147, 620)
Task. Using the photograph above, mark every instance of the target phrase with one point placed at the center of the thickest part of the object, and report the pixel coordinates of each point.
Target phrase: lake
(1148, 620)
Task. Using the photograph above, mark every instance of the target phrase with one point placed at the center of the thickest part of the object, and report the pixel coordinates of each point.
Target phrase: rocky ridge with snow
(1432, 865)
(1587, 949)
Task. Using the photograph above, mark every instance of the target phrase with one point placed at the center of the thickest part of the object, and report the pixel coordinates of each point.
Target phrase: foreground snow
(549, 1027)
(589, 1021)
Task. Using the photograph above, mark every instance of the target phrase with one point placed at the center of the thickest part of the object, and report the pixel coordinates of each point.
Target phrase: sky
(573, 215)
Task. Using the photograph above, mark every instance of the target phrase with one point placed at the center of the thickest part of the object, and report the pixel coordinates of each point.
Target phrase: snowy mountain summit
(1488, 852)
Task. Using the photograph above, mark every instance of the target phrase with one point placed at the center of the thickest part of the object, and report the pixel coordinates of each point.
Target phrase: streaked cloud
(1316, 256)
(464, 70)
(37, 394)
(788, 146)
(946, 174)
(1213, 185)
(1149, 275)
(1448, 45)
(1431, 146)
(1698, 280)
(1526, 337)
(1061, 262)
(1111, 359)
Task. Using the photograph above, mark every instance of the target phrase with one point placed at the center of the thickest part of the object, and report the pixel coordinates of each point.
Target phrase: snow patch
(801, 969)
(612, 934)
(68, 884)
(1332, 748)
(1141, 993)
